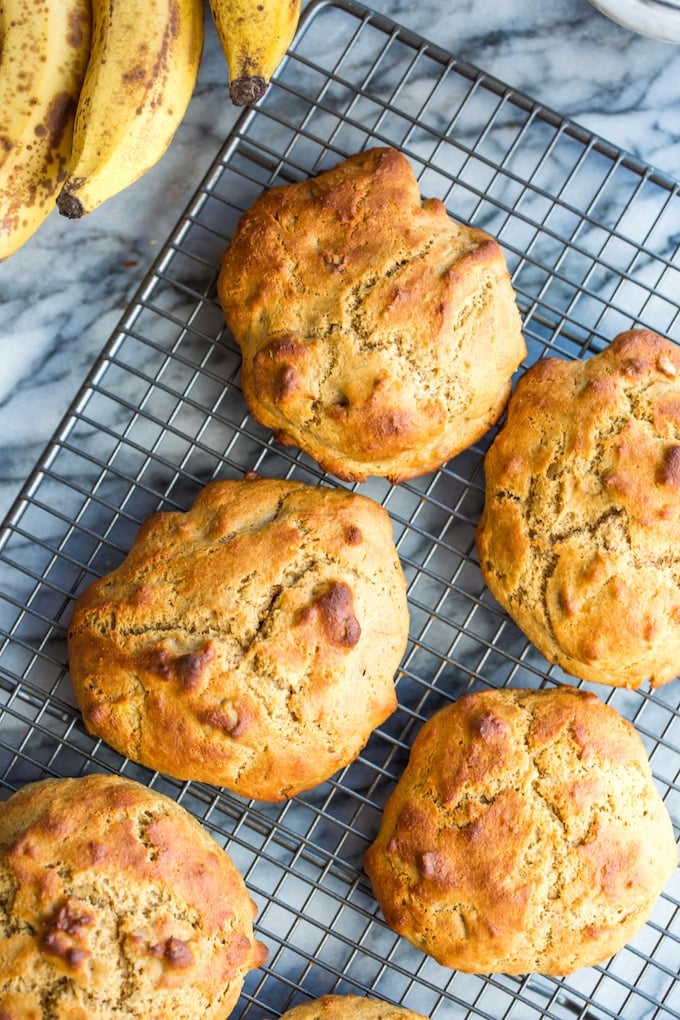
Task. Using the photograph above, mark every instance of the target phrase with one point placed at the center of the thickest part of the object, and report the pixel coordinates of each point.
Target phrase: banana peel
(255, 35)
(44, 50)
(140, 77)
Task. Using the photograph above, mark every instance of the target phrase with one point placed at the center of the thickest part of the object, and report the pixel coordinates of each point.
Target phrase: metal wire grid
(591, 237)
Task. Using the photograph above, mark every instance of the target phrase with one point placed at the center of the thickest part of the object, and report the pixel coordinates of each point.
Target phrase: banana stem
(69, 205)
(244, 91)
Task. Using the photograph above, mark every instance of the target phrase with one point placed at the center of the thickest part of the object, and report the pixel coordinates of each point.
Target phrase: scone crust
(116, 903)
(525, 835)
(579, 539)
(349, 1007)
(251, 642)
(378, 335)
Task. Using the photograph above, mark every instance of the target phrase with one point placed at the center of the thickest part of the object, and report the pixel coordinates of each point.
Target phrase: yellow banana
(140, 77)
(43, 55)
(255, 35)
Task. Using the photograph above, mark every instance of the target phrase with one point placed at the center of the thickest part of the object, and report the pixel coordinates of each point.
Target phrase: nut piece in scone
(526, 834)
(115, 902)
(250, 642)
(378, 334)
(579, 539)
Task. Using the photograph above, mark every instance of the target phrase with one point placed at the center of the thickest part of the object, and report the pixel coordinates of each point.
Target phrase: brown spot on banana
(135, 74)
(78, 30)
(59, 117)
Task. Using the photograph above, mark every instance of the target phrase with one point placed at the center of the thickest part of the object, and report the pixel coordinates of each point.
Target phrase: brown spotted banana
(141, 74)
(44, 49)
(255, 35)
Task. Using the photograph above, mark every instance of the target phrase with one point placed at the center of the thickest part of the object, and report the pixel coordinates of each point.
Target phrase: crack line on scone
(540, 774)
(327, 367)
(50, 996)
(213, 546)
(223, 628)
(590, 824)
(362, 289)
(290, 579)
(610, 514)
(143, 820)
(547, 562)
(127, 988)
(560, 849)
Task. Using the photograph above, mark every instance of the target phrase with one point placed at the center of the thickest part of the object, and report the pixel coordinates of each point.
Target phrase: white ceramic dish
(659, 19)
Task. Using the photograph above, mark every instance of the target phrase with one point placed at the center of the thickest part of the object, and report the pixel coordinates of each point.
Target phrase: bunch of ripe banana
(93, 91)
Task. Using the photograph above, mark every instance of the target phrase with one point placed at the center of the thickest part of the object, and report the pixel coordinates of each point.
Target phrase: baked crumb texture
(116, 903)
(251, 642)
(378, 335)
(349, 1007)
(525, 835)
(579, 539)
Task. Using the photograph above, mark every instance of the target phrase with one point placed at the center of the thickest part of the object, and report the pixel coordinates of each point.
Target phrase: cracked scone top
(116, 904)
(377, 334)
(349, 1007)
(579, 539)
(525, 835)
(250, 642)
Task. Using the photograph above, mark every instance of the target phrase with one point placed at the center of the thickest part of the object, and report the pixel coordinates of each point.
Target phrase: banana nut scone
(115, 903)
(250, 642)
(525, 835)
(378, 335)
(349, 1007)
(579, 539)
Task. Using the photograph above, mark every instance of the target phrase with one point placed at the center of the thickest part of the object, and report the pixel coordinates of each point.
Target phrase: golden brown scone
(250, 642)
(579, 539)
(525, 835)
(349, 1007)
(377, 334)
(116, 903)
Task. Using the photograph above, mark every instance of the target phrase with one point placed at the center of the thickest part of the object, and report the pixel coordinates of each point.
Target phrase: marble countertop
(64, 292)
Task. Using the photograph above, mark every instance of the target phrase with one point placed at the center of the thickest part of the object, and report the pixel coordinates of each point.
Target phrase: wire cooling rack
(591, 238)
